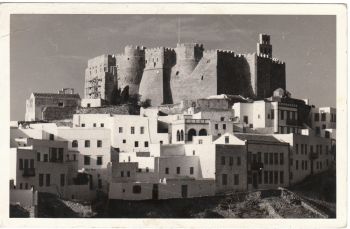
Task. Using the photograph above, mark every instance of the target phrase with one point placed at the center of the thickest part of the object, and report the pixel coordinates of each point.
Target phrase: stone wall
(58, 113)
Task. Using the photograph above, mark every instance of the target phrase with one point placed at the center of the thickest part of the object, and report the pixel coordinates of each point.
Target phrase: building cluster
(224, 139)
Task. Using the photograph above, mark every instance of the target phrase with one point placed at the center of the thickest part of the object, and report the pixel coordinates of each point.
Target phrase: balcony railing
(292, 122)
(197, 121)
(28, 172)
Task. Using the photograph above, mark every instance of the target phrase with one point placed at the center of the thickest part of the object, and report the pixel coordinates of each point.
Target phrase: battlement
(101, 59)
(190, 45)
(160, 49)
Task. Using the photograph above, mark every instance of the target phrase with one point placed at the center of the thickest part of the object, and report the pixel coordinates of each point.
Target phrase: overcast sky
(49, 52)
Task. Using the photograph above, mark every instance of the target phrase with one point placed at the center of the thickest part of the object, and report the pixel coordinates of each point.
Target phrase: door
(255, 180)
(155, 192)
(184, 191)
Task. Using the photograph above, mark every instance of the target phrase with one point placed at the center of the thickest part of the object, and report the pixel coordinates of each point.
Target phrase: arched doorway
(178, 136)
(203, 132)
(191, 133)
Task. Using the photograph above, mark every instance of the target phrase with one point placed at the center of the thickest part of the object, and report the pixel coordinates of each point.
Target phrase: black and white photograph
(176, 115)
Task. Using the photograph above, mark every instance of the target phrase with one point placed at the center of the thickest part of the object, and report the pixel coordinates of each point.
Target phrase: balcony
(292, 122)
(257, 166)
(56, 160)
(313, 155)
(197, 121)
(28, 172)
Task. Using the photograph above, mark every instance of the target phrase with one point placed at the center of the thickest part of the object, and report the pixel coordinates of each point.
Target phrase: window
(99, 160)
(271, 158)
(200, 141)
(86, 160)
(20, 164)
(216, 126)
(102, 125)
(275, 177)
(74, 144)
(222, 160)
(227, 139)
(48, 182)
(128, 173)
(60, 104)
(146, 144)
(236, 179)
(46, 157)
(83, 125)
(87, 143)
(270, 177)
(282, 115)
(249, 157)
(147, 169)
(266, 158)
(238, 160)
(318, 131)
(132, 130)
(94, 125)
(323, 117)
(272, 114)
(136, 144)
(120, 129)
(177, 170)
(136, 189)
(259, 157)
(224, 179)
(281, 177)
(224, 126)
(161, 142)
(323, 126)
(41, 180)
(245, 119)
(317, 117)
(142, 130)
(191, 170)
(281, 159)
(231, 161)
(62, 179)
(166, 170)
(99, 143)
(296, 164)
(25, 163)
(266, 177)
(31, 164)
(51, 137)
(38, 156)
(222, 119)
(296, 148)
(124, 141)
(305, 165)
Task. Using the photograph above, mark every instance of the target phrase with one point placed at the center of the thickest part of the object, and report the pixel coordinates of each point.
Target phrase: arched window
(178, 136)
(191, 133)
(182, 135)
(203, 132)
(74, 143)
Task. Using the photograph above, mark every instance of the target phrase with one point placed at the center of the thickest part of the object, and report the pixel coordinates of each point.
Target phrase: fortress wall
(130, 67)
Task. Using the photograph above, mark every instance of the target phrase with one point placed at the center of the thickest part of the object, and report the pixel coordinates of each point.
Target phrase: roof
(257, 137)
(56, 95)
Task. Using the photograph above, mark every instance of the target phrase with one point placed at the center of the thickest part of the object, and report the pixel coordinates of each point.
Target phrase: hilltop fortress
(166, 75)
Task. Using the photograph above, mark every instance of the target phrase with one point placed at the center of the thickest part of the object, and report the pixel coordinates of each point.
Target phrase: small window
(102, 125)
(222, 119)
(124, 141)
(99, 143)
(86, 160)
(238, 160)
(166, 170)
(224, 179)
(83, 125)
(178, 170)
(136, 189)
(60, 104)
(191, 170)
(200, 141)
(132, 130)
(202, 77)
(99, 160)
(41, 180)
(236, 179)
(94, 125)
(128, 173)
(231, 161)
(87, 143)
(142, 130)
(51, 137)
(88, 105)
(227, 139)
(120, 129)
(177, 73)
(216, 126)
(136, 144)
(38, 156)
(46, 157)
(146, 144)
(281, 159)
(74, 144)
(224, 126)
(323, 117)
(122, 173)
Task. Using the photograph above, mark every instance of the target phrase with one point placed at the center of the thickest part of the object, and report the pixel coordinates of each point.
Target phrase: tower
(264, 46)
(130, 67)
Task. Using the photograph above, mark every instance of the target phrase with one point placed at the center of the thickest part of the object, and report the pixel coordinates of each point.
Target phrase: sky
(50, 52)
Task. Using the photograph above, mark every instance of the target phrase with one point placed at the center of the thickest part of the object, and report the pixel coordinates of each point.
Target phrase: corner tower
(130, 67)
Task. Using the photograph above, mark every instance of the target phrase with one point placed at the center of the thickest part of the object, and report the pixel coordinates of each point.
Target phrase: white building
(323, 121)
